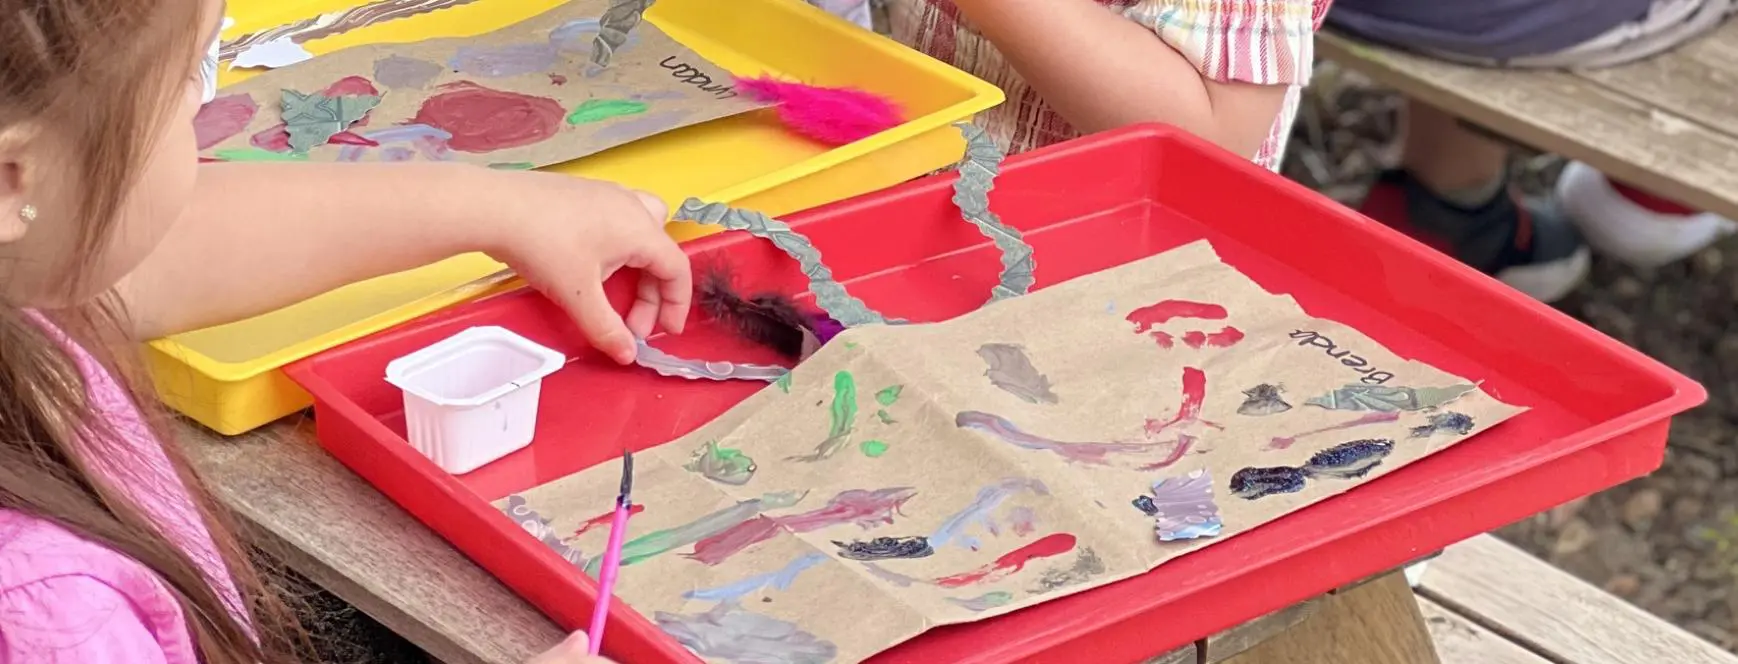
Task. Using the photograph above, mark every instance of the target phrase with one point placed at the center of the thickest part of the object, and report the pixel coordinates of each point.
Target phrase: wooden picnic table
(1484, 602)
(1665, 124)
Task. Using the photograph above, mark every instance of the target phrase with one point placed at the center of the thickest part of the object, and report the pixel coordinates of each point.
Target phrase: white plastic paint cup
(472, 398)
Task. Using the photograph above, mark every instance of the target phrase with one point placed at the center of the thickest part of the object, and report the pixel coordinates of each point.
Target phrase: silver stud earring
(27, 213)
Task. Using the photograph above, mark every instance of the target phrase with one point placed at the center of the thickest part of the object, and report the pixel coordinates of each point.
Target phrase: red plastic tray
(1599, 415)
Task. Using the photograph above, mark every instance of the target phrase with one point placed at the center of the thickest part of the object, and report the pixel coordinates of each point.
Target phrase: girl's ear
(17, 168)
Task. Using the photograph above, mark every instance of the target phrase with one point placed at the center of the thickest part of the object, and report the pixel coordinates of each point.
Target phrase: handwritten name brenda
(1309, 339)
(686, 73)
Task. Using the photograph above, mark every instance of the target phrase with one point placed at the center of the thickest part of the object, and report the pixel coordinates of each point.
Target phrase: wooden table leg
(1374, 623)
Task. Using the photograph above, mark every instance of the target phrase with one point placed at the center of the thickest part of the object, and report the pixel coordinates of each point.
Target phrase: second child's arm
(1101, 70)
(261, 236)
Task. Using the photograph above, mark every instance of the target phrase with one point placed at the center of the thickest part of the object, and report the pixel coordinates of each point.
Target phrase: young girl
(1229, 71)
(111, 232)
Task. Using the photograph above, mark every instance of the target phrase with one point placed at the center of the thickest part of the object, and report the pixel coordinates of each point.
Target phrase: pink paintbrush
(612, 557)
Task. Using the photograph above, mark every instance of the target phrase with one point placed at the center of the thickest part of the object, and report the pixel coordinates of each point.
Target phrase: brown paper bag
(523, 96)
(1004, 455)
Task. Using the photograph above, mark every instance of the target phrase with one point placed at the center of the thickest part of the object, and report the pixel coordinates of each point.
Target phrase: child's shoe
(1525, 243)
(1633, 226)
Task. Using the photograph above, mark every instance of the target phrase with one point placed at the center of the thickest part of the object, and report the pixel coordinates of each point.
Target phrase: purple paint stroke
(980, 510)
(866, 509)
(642, 126)
(892, 577)
(402, 72)
(397, 153)
(509, 60)
(1022, 520)
(428, 141)
(503, 61)
(1283, 442)
(1096, 454)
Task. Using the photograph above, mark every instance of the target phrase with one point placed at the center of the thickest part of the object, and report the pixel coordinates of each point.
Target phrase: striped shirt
(1262, 42)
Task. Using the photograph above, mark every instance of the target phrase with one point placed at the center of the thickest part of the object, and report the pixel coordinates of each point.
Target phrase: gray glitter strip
(983, 161)
(613, 28)
(521, 513)
(829, 293)
(678, 367)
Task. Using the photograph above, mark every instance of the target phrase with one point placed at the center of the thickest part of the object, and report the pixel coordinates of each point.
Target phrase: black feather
(769, 319)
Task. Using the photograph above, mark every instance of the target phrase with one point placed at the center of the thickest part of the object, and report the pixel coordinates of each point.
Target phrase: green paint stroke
(844, 407)
(257, 154)
(884, 416)
(513, 166)
(844, 412)
(873, 448)
(888, 396)
(598, 110)
(784, 383)
(664, 541)
(722, 464)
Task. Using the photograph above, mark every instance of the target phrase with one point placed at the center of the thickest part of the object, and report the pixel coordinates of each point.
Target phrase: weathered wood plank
(331, 526)
(1462, 641)
(1697, 81)
(1625, 136)
(1374, 623)
(1549, 612)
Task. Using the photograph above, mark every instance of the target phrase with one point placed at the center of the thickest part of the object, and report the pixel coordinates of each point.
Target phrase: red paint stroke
(351, 85)
(557, 79)
(601, 520)
(277, 137)
(1282, 442)
(1148, 317)
(1189, 412)
(1222, 339)
(1047, 547)
(485, 120)
(1185, 442)
(1225, 338)
(865, 508)
(223, 118)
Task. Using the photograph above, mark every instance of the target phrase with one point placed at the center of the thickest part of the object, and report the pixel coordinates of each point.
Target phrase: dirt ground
(1667, 542)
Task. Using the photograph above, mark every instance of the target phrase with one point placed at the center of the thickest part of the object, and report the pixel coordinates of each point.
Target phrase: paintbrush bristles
(768, 319)
(623, 496)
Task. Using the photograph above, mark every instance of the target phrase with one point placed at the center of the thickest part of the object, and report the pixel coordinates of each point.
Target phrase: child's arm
(1217, 68)
(262, 236)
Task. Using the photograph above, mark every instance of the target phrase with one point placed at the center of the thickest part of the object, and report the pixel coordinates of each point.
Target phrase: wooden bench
(1488, 602)
(1665, 124)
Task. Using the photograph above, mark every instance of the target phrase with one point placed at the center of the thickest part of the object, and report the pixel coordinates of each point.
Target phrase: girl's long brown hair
(103, 74)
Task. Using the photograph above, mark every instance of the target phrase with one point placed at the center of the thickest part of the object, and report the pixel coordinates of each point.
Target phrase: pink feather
(834, 116)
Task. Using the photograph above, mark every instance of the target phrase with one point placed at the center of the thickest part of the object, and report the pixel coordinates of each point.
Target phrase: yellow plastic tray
(228, 377)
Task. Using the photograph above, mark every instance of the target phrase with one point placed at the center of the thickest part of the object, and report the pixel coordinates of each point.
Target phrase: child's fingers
(643, 315)
(599, 322)
(571, 650)
(674, 278)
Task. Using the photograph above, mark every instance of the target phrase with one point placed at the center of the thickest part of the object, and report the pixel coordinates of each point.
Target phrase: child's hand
(575, 233)
(569, 651)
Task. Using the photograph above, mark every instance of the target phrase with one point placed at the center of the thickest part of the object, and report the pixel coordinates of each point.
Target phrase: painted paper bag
(524, 96)
(942, 473)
